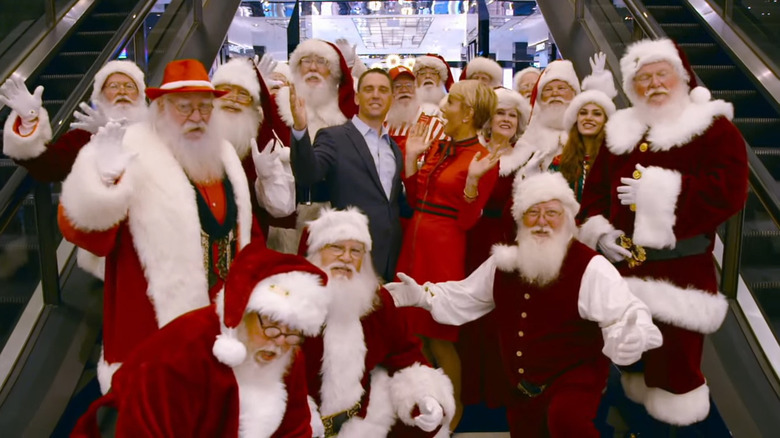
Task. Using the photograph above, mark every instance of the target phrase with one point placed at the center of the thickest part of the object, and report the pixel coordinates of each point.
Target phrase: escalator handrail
(8, 193)
(761, 180)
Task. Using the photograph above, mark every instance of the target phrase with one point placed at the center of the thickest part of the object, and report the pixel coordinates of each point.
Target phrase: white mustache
(121, 99)
(313, 74)
(657, 90)
(340, 266)
(232, 106)
(556, 99)
(405, 95)
(191, 126)
(429, 83)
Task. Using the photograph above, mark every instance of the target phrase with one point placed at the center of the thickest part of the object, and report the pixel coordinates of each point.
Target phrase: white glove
(630, 343)
(347, 50)
(408, 293)
(14, 94)
(267, 161)
(611, 249)
(89, 119)
(265, 65)
(317, 428)
(111, 159)
(431, 414)
(598, 63)
(627, 192)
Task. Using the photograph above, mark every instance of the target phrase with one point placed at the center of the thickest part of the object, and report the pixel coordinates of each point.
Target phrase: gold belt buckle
(638, 254)
(327, 422)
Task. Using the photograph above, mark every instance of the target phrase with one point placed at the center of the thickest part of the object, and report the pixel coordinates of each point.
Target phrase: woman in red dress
(447, 202)
(477, 345)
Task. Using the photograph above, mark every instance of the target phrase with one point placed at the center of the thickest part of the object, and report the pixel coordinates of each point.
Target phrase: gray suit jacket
(341, 158)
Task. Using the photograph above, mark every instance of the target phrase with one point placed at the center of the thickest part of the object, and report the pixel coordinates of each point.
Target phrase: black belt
(334, 422)
(691, 246)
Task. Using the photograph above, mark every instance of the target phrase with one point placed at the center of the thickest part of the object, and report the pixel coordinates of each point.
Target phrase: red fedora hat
(184, 76)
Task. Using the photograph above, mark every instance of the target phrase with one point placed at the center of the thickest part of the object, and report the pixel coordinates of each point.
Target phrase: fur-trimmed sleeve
(411, 384)
(25, 147)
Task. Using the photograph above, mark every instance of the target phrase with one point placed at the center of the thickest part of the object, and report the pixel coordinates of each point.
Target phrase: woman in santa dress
(477, 345)
(447, 203)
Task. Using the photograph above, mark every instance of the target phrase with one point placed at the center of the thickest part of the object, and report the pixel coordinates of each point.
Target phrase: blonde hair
(481, 98)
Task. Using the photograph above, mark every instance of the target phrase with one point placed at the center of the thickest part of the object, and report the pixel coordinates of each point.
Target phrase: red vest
(541, 332)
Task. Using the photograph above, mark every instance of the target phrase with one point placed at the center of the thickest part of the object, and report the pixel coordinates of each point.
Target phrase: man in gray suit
(359, 162)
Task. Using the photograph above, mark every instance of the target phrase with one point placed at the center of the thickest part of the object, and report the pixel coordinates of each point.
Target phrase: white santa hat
(285, 287)
(437, 63)
(240, 72)
(481, 64)
(339, 70)
(512, 99)
(542, 187)
(336, 225)
(590, 96)
(558, 70)
(118, 66)
(649, 51)
(519, 75)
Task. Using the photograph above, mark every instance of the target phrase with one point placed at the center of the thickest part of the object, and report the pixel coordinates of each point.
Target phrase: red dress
(434, 246)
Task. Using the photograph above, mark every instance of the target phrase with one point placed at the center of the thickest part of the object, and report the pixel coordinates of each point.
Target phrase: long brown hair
(574, 153)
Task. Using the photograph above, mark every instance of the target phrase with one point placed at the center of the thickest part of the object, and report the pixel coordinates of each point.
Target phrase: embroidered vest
(218, 241)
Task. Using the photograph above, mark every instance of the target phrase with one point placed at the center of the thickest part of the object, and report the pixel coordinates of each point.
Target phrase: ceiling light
(392, 61)
(374, 6)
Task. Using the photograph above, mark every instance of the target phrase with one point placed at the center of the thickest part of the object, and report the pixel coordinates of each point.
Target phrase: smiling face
(119, 89)
(504, 122)
(655, 82)
(557, 92)
(455, 114)
(314, 70)
(403, 88)
(343, 259)
(544, 219)
(428, 77)
(374, 96)
(590, 120)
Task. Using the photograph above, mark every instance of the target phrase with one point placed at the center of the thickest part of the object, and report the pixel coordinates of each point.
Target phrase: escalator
(742, 360)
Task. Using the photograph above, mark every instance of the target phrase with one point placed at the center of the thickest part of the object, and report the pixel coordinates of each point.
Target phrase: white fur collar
(506, 257)
(625, 129)
(329, 115)
(343, 365)
(164, 222)
(537, 138)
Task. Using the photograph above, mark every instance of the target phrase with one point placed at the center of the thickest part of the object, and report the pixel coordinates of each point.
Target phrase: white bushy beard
(256, 372)
(403, 111)
(540, 258)
(351, 298)
(236, 127)
(326, 92)
(200, 159)
(549, 115)
(668, 112)
(431, 94)
(124, 108)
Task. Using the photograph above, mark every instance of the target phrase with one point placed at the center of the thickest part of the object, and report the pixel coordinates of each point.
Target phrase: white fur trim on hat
(558, 70)
(519, 75)
(240, 72)
(335, 225)
(542, 187)
(431, 62)
(128, 68)
(488, 66)
(646, 52)
(319, 48)
(297, 299)
(584, 98)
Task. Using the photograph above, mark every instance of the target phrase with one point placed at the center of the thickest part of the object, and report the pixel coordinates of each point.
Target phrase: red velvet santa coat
(696, 178)
(147, 227)
(375, 360)
(173, 386)
(434, 246)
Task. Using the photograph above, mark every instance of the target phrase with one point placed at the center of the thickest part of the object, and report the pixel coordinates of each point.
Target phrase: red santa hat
(542, 187)
(338, 69)
(481, 64)
(240, 72)
(512, 99)
(558, 70)
(649, 51)
(184, 76)
(590, 96)
(438, 63)
(336, 225)
(519, 75)
(285, 287)
(128, 68)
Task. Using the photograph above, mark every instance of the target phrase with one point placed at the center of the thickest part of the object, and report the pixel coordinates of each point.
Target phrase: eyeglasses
(426, 71)
(307, 62)
(549, 215)
(186, 109)
(274, 332)
(116, 86)
(339, 250)
(548, 90)
(647, 78)
(235, 94)
(398, 86)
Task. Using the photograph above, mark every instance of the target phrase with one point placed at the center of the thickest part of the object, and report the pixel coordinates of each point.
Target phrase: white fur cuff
(283, 105)
(656, 201)
(688, 308)
(592, 230)
(678, 409)
(412, 383)
(26, 148)
(90, 204)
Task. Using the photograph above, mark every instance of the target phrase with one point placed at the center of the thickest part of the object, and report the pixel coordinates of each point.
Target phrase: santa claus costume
(690, 168)
(194, 378)
(487, 66)
(167, 252)
(429, 93)
(366, 370)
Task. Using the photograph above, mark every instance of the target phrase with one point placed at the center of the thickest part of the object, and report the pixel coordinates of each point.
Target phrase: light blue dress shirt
(380, 150)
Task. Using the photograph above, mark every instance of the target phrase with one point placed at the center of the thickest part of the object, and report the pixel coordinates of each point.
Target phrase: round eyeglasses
(273, 332)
